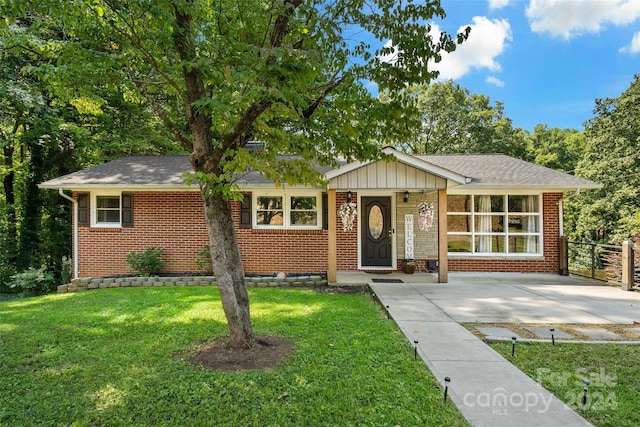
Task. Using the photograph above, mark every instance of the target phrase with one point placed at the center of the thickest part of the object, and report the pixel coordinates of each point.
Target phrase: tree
(43, 135)
(452, 120)
(556, 148)
(291, 73)
(611, 157)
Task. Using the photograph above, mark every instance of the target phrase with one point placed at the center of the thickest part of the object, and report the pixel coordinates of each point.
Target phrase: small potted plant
(409, 266)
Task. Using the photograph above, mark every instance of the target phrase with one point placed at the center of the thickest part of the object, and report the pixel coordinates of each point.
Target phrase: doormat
(387, 280)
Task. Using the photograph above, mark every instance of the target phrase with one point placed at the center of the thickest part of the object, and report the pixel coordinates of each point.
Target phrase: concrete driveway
(531, 298)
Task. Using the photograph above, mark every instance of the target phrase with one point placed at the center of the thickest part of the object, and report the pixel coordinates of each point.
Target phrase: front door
(376, 233)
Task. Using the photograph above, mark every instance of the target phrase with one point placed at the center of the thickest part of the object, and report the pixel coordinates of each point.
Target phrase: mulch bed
(267, 352)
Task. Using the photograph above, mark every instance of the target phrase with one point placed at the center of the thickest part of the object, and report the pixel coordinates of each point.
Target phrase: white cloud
(498, 4)
(487, 41)
(567, 19)
(634, 47)
(492, 80)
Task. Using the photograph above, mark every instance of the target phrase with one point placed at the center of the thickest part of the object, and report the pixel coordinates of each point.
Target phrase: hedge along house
(490, 213)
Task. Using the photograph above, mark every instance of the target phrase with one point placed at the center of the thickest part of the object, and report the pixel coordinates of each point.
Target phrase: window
(287, 211)
(108, 210)
(112, 210)
(494, 224)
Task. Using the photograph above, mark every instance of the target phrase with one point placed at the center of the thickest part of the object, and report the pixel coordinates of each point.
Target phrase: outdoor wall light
(406, 196)
(349, 196)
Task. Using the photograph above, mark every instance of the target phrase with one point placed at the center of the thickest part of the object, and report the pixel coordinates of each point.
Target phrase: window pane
(303, 203)
(489, 223)
(458, 243)
(270, 203)
(459, 203)
(524, 224)
(490, 243)
(524, 203)
(459, 223)
(108, 202)
(109, 216)
(524, 244)
(269, 218)
(304, 211)
(489, 203)
(304, 218)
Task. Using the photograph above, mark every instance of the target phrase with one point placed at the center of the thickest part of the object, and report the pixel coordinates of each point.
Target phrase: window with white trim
(111, 209)
(108, 210)
(494, 224)
(287, 211)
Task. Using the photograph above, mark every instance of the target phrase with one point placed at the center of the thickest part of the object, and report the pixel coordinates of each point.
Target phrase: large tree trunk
(228, 269)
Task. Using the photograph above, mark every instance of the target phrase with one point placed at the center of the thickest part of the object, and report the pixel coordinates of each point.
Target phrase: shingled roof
(167, 172)
(499, 170)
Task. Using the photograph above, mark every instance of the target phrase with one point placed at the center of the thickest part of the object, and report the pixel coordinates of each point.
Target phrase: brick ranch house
(492, 213)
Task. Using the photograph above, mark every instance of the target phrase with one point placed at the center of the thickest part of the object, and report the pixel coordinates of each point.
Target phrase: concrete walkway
(487, 388)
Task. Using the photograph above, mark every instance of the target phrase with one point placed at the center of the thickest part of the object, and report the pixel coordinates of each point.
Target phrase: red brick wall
(347, 245)
(549, 263)
(175, 221)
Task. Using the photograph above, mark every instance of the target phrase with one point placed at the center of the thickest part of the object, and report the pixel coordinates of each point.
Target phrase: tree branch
(173, 128)
(135, 41)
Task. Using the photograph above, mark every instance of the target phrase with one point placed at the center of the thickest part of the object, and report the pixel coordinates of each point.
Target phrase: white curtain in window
(484, 226)
(531, 224)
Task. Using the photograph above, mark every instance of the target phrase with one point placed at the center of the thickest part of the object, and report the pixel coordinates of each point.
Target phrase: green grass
(108, 358)
(613, 369)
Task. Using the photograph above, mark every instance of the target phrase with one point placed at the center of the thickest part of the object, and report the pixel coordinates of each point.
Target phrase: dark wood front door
(376, 233)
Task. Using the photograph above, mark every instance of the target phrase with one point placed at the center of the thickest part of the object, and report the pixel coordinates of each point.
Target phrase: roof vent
(255, 146)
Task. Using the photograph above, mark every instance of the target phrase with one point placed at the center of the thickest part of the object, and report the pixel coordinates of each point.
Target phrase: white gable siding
(383, 175)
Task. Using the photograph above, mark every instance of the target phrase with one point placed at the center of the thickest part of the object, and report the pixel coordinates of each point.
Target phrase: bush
(203, 260)
(33, 281)
(146, 263)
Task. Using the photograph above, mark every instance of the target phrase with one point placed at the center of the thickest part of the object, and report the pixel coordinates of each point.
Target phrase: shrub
(146, 263)
(203, 260)
(33, 281)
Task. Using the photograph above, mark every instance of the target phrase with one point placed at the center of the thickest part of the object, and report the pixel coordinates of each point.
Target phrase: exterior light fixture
(406, 196)
(349, 196)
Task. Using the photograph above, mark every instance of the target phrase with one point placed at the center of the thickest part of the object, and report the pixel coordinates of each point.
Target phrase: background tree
(44, 135)
(449, 119)
(220, 74)
(611, 157)
(556, 148)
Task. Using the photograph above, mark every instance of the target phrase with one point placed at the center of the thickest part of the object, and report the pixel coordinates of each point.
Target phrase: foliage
(611, 157)
(203, 260)
(559, 149)
(146, 263)
(611, 368)
(451, 120)
(33, 281)
(118, 357)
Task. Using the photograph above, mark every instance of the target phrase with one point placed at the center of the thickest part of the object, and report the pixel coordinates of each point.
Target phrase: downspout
(75, 231)
(561, 210)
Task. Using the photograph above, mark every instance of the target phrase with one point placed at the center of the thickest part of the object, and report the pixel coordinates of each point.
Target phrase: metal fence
(636, 268)
(599, 262)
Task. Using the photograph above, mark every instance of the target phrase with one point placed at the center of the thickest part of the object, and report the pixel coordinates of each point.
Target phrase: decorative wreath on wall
(348, 212)
(426, 213)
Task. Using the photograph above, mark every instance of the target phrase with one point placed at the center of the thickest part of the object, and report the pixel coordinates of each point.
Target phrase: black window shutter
(127, 209)
(325, 211)
(245, 211)
(83, 209)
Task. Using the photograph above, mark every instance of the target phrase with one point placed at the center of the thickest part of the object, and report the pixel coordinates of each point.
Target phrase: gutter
(75, 231)
(561, 210)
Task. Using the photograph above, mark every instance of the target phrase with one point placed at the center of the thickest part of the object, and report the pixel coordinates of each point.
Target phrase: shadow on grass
(107, 358)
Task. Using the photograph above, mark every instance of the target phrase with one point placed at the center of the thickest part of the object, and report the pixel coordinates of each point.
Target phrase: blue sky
(547, 61)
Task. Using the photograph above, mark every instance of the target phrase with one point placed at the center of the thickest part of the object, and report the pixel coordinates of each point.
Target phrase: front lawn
(120, 357)
(612, 369)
